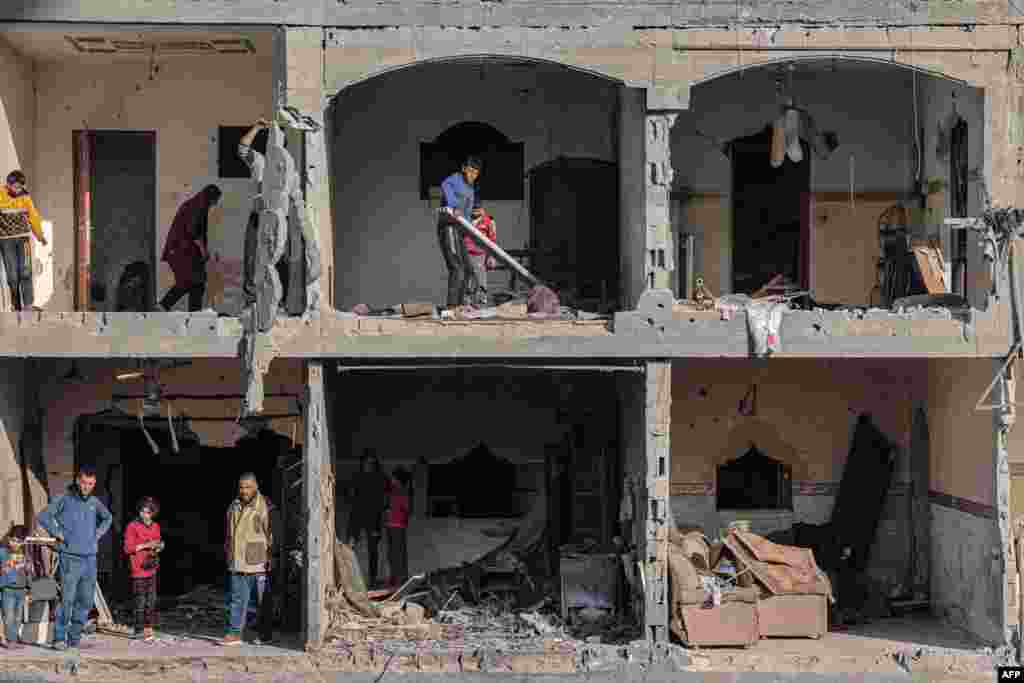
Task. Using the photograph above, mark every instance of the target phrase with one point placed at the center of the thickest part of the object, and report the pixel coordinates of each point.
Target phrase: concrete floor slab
(890, 649)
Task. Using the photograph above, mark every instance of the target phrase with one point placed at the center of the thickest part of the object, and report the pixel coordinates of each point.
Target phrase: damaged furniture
(698, 616)
(745, 588)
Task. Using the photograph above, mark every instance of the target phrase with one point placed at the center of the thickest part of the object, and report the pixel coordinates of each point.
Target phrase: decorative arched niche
(504, 161)
(756, 468)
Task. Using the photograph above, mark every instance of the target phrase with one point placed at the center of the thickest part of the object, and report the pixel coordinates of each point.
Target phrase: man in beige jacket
(250, 548)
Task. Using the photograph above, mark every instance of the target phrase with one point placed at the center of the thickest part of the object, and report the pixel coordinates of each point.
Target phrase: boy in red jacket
(142, 544)
(396, 521)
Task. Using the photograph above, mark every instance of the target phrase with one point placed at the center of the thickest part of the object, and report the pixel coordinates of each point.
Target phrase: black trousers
(195, 296)
(144, 591)
(356, 528)
(398, 554)
(456, 259)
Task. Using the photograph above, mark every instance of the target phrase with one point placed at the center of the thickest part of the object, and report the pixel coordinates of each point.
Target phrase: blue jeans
(78, 592)
(242, 586)
(13, 606)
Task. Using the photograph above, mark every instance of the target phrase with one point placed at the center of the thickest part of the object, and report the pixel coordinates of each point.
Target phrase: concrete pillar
(318, 498)
(645, 174)
(657, 420)
(659, 264)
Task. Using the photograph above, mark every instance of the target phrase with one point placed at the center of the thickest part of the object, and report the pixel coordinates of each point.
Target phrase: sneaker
(263, 641)
(60, 647)
(232, 639)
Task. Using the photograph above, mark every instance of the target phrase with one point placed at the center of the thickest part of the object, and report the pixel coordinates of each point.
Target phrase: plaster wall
(962, 441)
(23, 488)
(874, 162)
(17, 113)
(968, 579)
(386, 248)
(805, 414)
(184, 104)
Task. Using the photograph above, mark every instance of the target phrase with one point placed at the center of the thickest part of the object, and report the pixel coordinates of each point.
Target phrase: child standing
(396, 521)
(15, 576)
(142, 544)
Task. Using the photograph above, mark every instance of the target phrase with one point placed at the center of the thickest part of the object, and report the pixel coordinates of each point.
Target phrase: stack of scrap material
(703, 610)
(744, 589)
(794, 592)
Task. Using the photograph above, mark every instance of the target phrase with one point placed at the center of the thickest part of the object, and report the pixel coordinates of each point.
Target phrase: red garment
(180, 250)
(485, 225)
(397, 515)
(135, 535)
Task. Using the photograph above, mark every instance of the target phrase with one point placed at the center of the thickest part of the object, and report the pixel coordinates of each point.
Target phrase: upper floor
(616, 163)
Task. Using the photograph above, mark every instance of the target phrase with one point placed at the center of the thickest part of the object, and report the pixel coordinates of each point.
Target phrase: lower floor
(920, 646)
(544, 501)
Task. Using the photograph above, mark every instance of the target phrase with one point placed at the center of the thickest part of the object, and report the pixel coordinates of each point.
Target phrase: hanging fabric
(778, 142)
(793, 149)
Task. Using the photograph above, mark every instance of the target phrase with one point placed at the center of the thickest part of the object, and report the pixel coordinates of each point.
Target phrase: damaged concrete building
(769, 224)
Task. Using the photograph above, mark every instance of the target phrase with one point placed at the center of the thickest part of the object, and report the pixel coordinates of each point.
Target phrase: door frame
(84, 153)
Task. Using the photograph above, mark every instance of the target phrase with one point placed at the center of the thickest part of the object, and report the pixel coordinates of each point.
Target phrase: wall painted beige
(184, 104)
(962, 439)
(844, 252)
(14, 482)
(17, 113)
(65, 402)
(806, 411)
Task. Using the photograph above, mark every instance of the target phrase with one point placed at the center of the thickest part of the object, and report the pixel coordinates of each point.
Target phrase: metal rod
(494, 249)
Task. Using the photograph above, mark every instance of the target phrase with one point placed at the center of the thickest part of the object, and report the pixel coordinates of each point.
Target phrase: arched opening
(790, 178)
(396, 136)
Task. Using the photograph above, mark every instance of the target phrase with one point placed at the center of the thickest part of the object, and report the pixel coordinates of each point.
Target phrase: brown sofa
(782, 592)
(693, 618)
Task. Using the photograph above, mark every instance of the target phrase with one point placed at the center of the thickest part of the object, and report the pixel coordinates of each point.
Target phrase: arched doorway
(862, 154)
(395, 134)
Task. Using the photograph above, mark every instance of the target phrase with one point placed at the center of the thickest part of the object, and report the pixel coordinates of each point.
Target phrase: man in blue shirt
(459, 197)
(78, 521)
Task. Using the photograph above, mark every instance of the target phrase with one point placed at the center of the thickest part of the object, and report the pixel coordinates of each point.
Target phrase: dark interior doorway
(116, 189)
(574, 230)
(771, 218)
(194, 488)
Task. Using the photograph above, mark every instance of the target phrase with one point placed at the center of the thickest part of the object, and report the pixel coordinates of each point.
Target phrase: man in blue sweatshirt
(458, 197)
(78, 521)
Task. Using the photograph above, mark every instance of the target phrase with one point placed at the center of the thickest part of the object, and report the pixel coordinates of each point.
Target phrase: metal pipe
(495, 251)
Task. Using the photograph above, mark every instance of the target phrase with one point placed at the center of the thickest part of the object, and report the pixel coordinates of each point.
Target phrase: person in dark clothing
(368, 492)
(396, 521)
(78, 520)
(186, 249)
(458, 197)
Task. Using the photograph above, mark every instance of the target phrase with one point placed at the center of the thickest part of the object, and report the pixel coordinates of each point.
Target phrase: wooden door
(82, 143)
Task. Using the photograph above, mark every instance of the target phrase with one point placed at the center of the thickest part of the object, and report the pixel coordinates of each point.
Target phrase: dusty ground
(892, 649)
